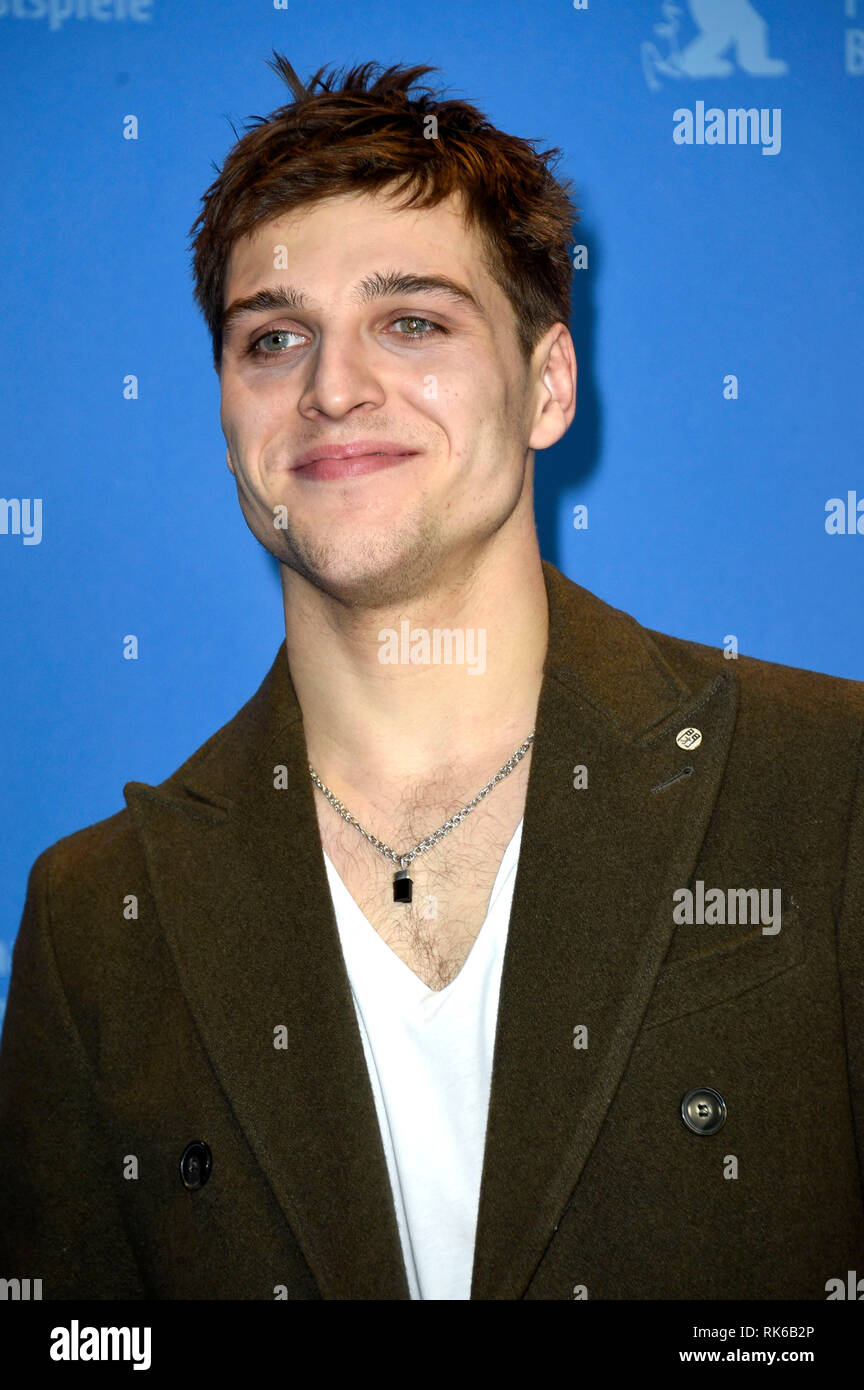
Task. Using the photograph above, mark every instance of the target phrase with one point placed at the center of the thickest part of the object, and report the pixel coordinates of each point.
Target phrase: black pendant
(402, 887)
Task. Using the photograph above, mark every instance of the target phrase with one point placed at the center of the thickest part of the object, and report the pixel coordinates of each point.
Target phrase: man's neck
(369, 722)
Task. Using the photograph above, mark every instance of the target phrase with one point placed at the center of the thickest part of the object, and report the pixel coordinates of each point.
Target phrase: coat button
(195, 1165)
(703, 1110)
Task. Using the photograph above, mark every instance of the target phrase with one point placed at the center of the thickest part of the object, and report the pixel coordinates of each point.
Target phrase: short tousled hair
(368, 132)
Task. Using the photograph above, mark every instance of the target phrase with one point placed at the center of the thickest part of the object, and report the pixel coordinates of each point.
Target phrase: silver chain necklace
(403, 884)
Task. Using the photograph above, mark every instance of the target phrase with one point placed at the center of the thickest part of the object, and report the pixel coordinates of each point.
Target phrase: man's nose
(341, 374)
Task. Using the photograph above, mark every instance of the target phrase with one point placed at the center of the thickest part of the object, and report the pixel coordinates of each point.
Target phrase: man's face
(350, 366)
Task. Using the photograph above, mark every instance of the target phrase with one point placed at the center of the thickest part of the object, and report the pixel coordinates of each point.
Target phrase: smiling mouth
(334, 467)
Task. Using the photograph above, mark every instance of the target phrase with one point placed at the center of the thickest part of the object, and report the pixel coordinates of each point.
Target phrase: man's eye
(255, 350)
(412, 318)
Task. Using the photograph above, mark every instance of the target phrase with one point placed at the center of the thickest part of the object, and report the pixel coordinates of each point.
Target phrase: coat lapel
(238, 877)
(241, 890)
(591, 919)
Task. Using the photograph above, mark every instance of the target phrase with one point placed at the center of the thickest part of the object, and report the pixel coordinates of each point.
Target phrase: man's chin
(366, 578)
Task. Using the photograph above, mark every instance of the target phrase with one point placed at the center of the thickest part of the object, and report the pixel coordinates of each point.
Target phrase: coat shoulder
(792, 693)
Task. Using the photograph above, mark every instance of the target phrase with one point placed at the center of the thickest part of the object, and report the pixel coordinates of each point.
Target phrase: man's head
(313, 265)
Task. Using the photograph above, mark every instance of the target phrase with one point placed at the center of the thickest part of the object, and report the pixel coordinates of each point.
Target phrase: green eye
(427, 330)
(413, 318)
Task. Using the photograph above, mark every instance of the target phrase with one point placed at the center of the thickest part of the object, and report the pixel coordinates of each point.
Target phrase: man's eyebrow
(372, 287)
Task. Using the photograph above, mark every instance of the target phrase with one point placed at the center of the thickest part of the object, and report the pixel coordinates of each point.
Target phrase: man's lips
(350, 460)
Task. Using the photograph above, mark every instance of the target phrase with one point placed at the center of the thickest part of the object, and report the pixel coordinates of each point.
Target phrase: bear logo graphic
(724, 26)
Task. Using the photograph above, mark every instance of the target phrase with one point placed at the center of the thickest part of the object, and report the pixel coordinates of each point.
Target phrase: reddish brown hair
(365, 134)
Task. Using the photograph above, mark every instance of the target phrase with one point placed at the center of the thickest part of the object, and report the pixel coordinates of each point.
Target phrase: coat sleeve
(60, 1218)
(850, 955)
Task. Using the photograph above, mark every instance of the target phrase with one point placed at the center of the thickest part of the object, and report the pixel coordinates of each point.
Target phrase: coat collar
(236, 867)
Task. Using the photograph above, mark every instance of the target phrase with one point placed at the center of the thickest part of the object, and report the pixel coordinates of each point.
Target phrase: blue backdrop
(717, 318)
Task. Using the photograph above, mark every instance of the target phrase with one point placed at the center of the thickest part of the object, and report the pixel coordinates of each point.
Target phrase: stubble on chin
(368, 572)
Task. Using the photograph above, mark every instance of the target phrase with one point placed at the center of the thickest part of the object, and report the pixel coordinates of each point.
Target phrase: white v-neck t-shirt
(429, 1055)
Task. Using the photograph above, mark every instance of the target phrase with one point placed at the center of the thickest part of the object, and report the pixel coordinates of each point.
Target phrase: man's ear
(559, 375)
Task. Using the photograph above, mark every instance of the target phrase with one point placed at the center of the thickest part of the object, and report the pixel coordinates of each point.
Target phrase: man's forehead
(385, 206)
(441, 240)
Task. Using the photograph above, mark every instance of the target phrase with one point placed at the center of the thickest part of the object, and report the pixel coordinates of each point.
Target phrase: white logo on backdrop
(725, 26)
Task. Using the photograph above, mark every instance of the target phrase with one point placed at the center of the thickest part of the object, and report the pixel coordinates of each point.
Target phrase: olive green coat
(130, 1034)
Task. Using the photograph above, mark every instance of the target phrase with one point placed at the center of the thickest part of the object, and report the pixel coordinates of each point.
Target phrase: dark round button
(703, 1110)
(195, 1165)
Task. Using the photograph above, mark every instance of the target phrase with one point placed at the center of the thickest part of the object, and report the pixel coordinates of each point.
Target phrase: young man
(498, 947)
